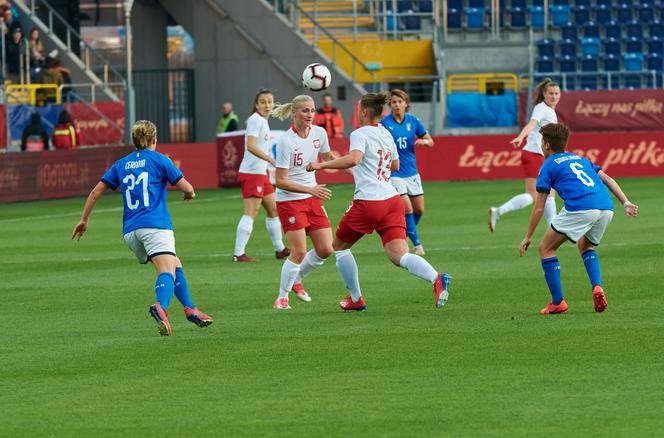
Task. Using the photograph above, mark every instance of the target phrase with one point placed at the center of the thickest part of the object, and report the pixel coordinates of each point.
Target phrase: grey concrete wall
(513, 59)
(229, 67)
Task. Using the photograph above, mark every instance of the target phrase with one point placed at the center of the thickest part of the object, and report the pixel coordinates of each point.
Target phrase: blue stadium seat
(538, 2)
(611, 63)
(654, 61)
(426, 6)
(655, 45)
(537, 16)
(633, 81)
(404, 5)
(589, 63)
(633, 45)
(633, 61)
(559, 15)
(590, 46)
(517, 17)
(518, 4)
(602, 14)
(453, 19)
(646, 12)
(612, 46)
(634, 29)
(411, 22)
(581, 15)
(391, 21)
(612, 29)
(569, 31)
(567, 47)
(545, 64)
(656, 28)
(589, 82)
(476, 4)
(454, 4)
(567, 64)
(475, 18)
(591, 30)
(624, 13)
(560, 2)
(604, 2)
(546, 47)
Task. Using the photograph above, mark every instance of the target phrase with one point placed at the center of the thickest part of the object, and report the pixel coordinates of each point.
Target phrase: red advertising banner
(3, 122)
(608, 110)
(230, 150)
(95, 129)
(28, 176)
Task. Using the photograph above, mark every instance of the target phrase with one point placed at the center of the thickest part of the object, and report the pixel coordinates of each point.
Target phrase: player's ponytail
(374, 103)
(143, 134)
(541, 88)
(287, 110)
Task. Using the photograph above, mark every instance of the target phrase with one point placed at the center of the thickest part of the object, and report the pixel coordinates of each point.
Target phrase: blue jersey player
(141, 177)
(583, 220)
(408, 132)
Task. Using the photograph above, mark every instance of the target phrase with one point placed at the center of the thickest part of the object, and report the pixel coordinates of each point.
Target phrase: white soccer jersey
(544, 115)
(256, 127)
(372, 174)
(295, 153)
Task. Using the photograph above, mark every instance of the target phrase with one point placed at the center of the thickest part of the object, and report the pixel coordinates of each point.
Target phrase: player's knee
(325, 251)
(296, 256)
(544, 250)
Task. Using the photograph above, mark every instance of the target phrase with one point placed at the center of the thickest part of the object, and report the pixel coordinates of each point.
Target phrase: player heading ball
(583, 220)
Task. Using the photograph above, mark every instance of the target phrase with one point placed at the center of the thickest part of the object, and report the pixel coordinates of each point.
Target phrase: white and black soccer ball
(316, 77)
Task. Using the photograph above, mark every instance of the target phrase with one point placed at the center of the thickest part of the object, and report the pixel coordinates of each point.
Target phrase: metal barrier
(33, 94)
(477, 83)
(607, 80)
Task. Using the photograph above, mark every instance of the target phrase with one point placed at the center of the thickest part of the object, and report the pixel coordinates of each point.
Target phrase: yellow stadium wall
(398, 58)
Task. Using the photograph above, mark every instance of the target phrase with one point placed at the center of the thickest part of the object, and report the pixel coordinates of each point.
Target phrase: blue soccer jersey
(142, 177)
(404, 134)
(576, 180)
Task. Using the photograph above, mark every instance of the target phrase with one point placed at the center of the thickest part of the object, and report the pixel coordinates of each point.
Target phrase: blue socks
(417, 218)
(551, 268)
(164, 288)
(411, 229)
(182, 290)
(591, 261)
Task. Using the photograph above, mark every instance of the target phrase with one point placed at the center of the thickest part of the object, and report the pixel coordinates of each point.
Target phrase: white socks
(516, 203)
(310, 262)
(419, 267)
(244, 229)
(273, 226)
(288, 273)
(550, 209)
(348, 269)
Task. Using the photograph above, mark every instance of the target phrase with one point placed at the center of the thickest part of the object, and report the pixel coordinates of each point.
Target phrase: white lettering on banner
(488, 159)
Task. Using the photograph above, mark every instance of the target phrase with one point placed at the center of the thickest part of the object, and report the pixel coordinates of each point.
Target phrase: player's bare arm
(395, 165)
(427, 141)
(255, 150)
(631, 210)
(345, 162)
(319, 190)
(187, 189)
(535, 217)
(516, 142)
(82, 225)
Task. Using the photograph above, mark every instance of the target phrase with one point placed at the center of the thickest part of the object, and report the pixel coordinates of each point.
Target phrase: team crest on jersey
(408, 126)
(317, 143)
(267, 137)
(259, 189)
(291, 220)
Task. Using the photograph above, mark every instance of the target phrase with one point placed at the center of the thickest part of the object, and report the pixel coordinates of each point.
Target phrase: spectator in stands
(330, 118)
(65, 134)
(229, 120)
(66, 79)
(37, 54)
(49, 74)
(10, 21)
(35, 137)
(13, 42)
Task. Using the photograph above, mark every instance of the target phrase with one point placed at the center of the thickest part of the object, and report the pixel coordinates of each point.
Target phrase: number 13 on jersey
(384, 164)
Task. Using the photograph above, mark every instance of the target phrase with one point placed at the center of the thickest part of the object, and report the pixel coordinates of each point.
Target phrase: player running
(532, 157)
(146, 224)
(583, 220)
(256, 186)
(376, 206)
(408, 132)
(300, 198)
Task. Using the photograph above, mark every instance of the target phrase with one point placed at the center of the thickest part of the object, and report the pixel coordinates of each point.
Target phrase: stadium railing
(33, 94)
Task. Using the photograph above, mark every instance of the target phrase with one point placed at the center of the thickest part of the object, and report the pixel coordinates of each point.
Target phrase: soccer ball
(316, 77)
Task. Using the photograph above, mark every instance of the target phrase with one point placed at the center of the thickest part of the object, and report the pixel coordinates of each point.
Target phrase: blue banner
(19, 118)
(473, 110)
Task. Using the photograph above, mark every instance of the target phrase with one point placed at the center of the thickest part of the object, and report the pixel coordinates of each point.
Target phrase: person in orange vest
(330, 118)
(65, 134)
(35, 137)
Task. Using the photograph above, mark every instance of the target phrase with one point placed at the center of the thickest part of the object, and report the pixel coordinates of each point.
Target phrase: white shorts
(146, 243)
(411, 185)
(576, 224)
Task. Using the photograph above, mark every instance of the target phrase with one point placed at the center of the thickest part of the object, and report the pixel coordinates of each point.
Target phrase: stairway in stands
(346, 20)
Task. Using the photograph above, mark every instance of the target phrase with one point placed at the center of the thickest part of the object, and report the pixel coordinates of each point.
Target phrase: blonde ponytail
(143, 134)
(287, 110)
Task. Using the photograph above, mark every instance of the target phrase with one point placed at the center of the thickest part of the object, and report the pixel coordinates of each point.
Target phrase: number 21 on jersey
(132, 181)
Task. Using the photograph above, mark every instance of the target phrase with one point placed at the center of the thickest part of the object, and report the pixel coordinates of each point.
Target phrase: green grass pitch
(81, 357)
